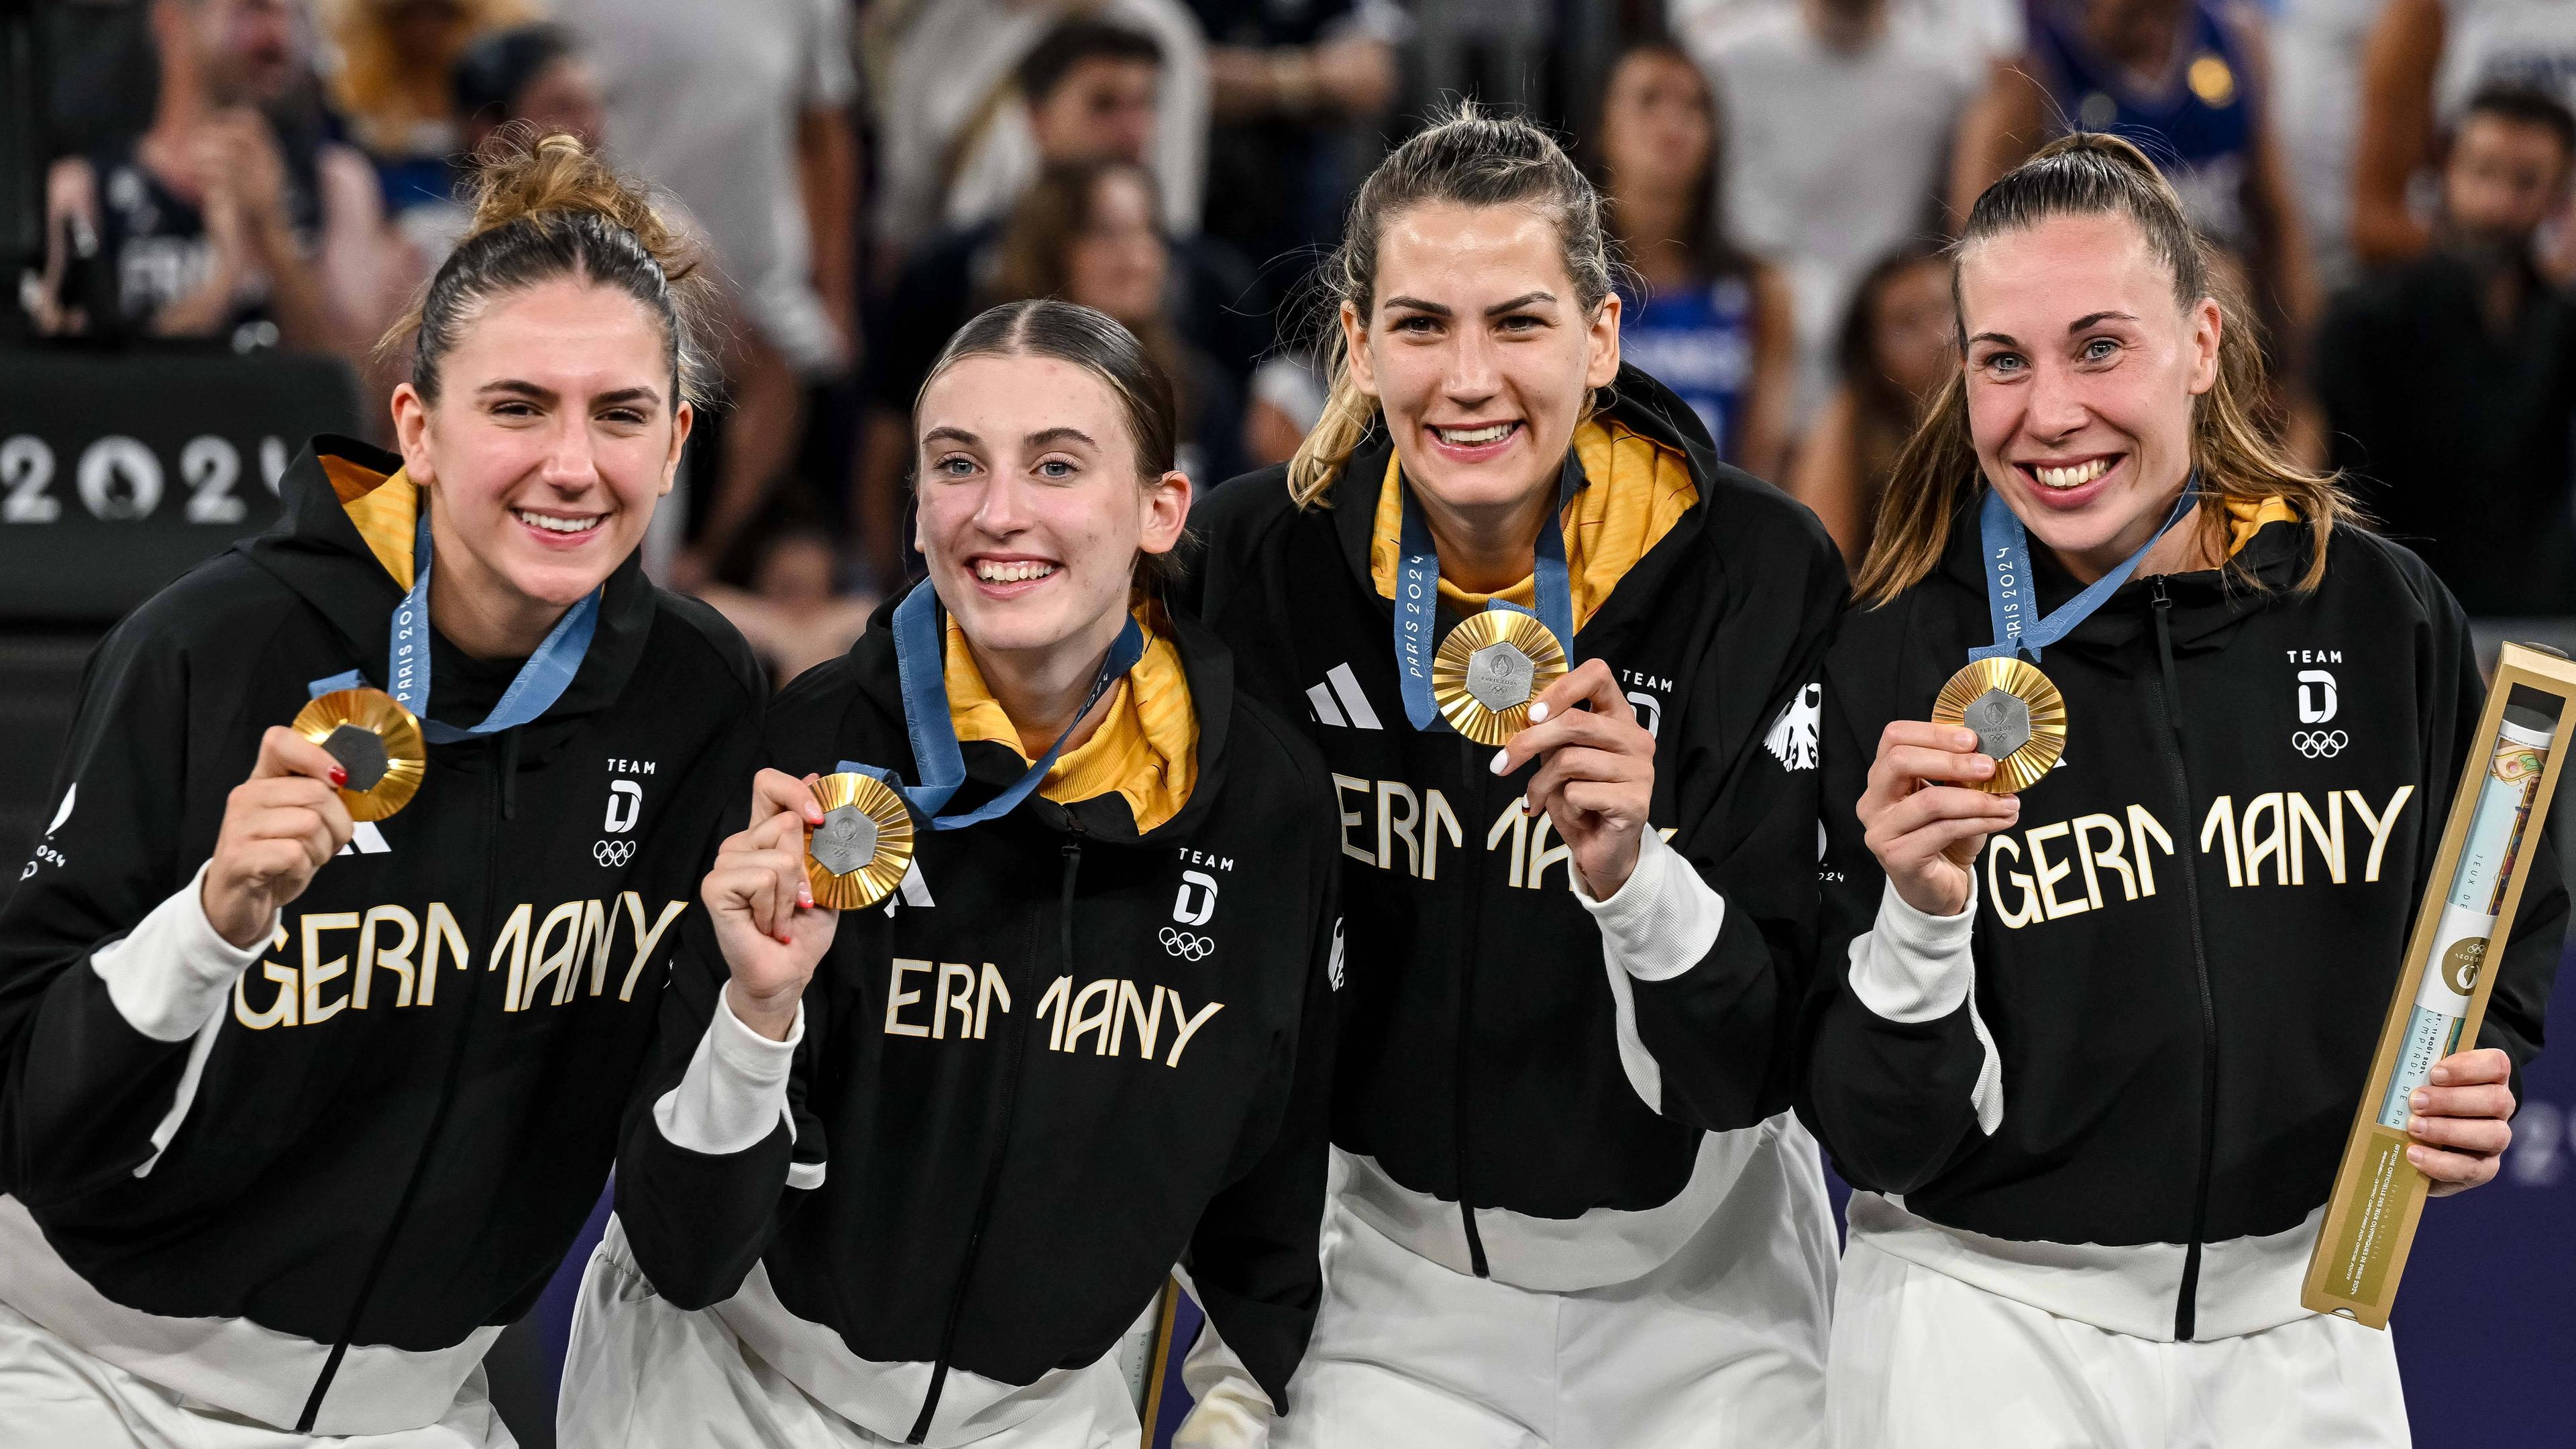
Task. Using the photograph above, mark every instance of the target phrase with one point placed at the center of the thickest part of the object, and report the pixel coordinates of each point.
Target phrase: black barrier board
(119, 472)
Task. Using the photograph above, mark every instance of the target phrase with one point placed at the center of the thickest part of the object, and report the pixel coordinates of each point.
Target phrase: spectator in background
(1897, 346)
(229, 216)
(1975, 35)
(1282, 404)
(792, 615)
(2317, 50)
(1086, 233)
(1092, 91)
(961, 122)
(1836, 131)
(1289, 80)
(2450, 381)
(391, 84)
(2188, 81)
(741, 112)
(1708, 321)
(2425, 59)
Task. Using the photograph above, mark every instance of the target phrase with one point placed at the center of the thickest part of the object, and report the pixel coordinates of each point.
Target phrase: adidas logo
(1338, 701)
(914, 892)
(367, 840)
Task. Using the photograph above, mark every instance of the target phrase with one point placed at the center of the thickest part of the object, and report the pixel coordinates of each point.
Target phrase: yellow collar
(1636, 490)
(1145, 751)
(2246, 518)
(385, 507)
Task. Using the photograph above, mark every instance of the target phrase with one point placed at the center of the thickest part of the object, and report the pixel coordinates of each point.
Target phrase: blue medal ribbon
(540, 682)
(921, 663)
(2011, 597)
(1417, 595)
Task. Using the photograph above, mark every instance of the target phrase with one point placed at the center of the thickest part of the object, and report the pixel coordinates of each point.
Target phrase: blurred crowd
(2388, 177)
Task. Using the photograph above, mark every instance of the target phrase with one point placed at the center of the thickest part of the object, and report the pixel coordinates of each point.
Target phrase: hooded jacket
(307, 1183)
(2118, 1086)
(1065, 1056)
(1535, 1086)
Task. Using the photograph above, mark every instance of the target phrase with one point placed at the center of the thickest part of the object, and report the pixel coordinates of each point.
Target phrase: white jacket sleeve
(735, 1089)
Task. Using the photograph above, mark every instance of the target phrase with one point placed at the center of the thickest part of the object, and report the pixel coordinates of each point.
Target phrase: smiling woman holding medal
(1571, 1193)
(314, 1039)
(910, 1174)
(2136, 752)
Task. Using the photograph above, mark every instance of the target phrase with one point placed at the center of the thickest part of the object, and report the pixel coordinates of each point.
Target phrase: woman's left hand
(2460, 1120)
(1596, 774)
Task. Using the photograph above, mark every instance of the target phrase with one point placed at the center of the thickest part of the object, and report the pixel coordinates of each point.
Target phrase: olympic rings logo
(613, 852)
(1188, 945)
(2319, 744)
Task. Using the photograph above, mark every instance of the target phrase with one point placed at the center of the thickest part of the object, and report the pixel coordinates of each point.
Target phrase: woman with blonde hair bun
(2106, 961)
(314, 1041)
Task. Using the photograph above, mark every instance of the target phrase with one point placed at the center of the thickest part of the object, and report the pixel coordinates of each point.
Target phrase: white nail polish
(1538, 712)
(1502, 761)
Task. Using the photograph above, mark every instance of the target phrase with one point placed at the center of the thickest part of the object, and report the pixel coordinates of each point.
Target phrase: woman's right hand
(771, 932)
(280, 826)
(1925, 830)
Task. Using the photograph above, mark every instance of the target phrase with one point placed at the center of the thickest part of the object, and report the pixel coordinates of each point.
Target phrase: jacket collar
(992, 768)
(316, 551)
(2207, 603)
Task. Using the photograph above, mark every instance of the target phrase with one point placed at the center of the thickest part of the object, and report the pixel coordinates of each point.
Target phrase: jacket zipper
(1001, 1151)
(505, 754)
(2186, 1303)
(1466, 1021)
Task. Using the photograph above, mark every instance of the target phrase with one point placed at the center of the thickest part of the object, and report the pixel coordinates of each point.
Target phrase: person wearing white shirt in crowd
(741, 112)
(958, 142)
(1837, 124)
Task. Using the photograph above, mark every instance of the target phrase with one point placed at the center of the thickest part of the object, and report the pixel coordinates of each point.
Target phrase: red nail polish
(339, 776)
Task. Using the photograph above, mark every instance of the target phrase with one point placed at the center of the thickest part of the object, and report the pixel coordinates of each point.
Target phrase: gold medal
(376, 740)
(2018, 716)
(859, 854)
(1489, 669)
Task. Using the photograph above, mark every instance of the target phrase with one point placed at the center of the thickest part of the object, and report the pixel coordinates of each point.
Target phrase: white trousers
(1924, 1361)
(1724, 1345)
(641, 1373)
(54, 1394)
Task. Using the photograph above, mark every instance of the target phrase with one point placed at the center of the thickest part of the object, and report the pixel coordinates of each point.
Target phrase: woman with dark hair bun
(301, 1099)
(2107, 960)
(915, 1174)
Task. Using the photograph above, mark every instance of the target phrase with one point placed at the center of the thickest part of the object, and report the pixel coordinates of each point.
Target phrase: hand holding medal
(1596, 775)
(768, 921)
(280, 826)
(1998, 727)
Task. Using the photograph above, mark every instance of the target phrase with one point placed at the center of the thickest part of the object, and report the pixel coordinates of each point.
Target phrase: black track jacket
(407, 1106)
(1481, 1060)
(2185, 948)
(1061, 1060)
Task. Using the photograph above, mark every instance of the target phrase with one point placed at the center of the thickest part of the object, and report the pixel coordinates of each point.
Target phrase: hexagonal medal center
(1499, 676)
(361, 752)
(846, 840)
(2001, 720)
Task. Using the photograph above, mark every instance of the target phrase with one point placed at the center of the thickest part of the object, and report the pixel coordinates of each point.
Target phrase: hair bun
(530, 177)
